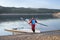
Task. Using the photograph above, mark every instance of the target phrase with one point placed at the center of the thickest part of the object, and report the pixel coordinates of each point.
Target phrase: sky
(51, 4)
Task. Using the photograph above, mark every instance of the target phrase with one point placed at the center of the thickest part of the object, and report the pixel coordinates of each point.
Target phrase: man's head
(33, 18)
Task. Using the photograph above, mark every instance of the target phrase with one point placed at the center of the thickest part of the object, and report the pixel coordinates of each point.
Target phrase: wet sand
(50, 35)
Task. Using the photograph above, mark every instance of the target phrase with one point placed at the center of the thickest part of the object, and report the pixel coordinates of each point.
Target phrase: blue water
(53, 24)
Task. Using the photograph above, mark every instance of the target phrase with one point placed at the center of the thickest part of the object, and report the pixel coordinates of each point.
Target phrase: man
(32, 22)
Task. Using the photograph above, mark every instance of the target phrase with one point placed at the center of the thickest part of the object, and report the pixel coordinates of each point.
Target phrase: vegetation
(10, 10)
(27, 10)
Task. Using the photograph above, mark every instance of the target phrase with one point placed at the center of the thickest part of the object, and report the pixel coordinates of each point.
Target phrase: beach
(49, 35)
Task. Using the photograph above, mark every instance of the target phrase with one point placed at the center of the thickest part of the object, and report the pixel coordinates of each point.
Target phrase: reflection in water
(53, 24)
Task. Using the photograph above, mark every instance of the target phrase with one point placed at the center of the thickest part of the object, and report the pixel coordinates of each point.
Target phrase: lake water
(53, 24)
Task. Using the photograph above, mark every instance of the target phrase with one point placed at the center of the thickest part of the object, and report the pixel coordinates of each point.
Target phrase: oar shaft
(26, 20)
(42, 24)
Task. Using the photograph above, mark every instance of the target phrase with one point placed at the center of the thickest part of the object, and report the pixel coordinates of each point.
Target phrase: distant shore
(51, 35)
(5, 20)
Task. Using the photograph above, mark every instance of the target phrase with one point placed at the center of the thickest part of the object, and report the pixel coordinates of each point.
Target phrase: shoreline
(50, 35)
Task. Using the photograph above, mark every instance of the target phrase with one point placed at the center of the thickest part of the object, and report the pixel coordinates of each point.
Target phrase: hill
(27, 10)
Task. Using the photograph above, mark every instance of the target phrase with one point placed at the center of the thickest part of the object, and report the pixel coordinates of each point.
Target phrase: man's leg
(33, 31)
(33, 28)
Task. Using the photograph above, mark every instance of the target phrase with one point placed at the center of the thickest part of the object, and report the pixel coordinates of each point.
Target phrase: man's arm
(30, 21)
(35, 21)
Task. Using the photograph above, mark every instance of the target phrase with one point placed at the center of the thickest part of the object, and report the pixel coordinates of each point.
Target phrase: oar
(26, 20)
(42, 24)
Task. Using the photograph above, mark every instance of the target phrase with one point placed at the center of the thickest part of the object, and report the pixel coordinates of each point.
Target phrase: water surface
(53, 24)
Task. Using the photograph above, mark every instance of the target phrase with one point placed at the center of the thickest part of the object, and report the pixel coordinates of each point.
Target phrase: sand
(51, 35)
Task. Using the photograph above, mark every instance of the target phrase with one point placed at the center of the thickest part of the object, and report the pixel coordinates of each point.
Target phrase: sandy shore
(51, 35)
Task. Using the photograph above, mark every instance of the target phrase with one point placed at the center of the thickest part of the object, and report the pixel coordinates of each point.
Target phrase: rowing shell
(22, 31)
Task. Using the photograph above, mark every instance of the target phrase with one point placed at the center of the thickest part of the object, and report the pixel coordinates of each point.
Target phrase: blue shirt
(33, 21)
